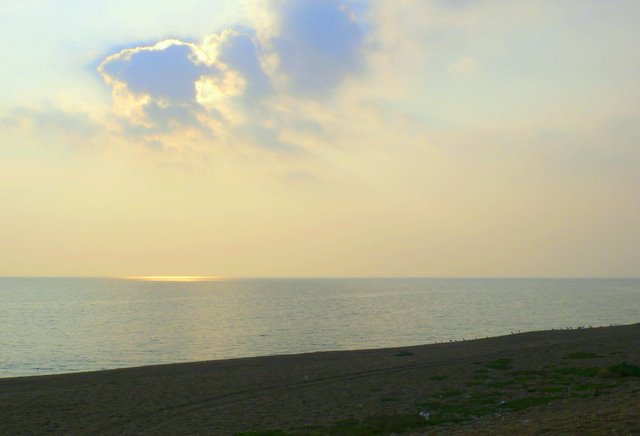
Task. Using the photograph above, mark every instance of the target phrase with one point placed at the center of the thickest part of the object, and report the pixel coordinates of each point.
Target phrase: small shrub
(625, 369)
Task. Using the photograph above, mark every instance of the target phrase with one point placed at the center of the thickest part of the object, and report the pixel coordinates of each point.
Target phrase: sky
(320, 138)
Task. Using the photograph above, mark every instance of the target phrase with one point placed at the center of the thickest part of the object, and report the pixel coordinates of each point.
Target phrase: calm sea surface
(65, 325)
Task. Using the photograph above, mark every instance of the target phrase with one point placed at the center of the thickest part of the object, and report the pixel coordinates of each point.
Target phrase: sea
(63, 325)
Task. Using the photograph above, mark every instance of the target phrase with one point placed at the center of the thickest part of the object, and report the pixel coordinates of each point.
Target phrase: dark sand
(320, 389)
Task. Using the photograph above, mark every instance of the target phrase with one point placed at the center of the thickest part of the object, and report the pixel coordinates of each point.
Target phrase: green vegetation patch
(501, 383)
(262, 433)
(591, 387)
(485, 398)
(526, 373)
(449, 393)
(501, 364)
(377, 424)
(582, 355)
(438, 377)
(404, 353)
(457, 411)
(522, 379)
(581, 395)
(481, 376)
(625, 369)
(548, 389)
(488, 392)
(306, 428)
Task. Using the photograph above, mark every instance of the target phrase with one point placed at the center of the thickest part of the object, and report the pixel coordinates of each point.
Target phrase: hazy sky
(320, 137)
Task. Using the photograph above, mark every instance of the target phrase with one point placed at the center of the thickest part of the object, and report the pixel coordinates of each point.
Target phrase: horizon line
(222, 277)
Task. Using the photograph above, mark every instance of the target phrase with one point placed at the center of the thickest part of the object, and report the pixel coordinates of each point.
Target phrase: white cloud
(233, 84)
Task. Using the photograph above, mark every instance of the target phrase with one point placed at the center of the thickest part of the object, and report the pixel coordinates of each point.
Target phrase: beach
(579, 381)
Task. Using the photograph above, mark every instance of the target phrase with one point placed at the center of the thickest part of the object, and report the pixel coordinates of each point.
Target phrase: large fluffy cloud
(176, 85)
(175, 65)
(237, 84)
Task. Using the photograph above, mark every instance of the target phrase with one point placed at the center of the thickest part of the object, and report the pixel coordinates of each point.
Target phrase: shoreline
(212, 361)
(307, 390)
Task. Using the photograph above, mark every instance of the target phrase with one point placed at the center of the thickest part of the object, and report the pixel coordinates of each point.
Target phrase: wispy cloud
(54, 120)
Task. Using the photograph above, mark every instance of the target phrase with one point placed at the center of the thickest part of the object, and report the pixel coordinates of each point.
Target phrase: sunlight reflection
(176, 278)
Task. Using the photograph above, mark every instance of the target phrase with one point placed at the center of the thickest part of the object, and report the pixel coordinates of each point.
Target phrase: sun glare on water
(176, 278)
